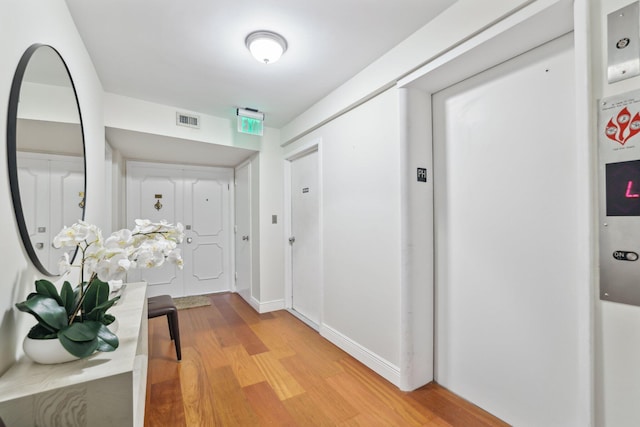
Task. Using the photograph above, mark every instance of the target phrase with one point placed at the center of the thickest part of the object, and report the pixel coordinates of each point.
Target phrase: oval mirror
(45, 152)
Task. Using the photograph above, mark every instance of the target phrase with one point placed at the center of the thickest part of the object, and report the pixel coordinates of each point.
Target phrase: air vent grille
(188, 120)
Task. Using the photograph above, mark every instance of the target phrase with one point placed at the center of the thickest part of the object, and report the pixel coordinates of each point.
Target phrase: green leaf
(47, 310)
(96, 293)
(68, 298)
(48, 289)
(108, 340)
(39, 332)
(78, 348)
(108, 319)
(81, 331)
(98, 312)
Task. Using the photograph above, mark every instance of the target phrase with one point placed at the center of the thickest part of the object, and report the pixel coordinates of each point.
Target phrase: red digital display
(623, 188)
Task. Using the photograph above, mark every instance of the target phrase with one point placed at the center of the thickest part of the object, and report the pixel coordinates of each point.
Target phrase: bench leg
(174, 331)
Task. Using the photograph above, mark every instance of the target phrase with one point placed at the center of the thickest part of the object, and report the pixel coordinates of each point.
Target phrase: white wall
(617, 325)
(122, 112)
(22, 23)
(361, 229)
(456, 24)
(271, 235)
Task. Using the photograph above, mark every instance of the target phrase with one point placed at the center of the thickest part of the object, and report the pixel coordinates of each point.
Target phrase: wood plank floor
(240, 368)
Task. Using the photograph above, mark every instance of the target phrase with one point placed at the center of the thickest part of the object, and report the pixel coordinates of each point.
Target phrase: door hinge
(235, 229)
(236, 275)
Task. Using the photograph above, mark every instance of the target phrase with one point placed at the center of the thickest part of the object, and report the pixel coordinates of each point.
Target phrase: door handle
(291, 240)
(245, 238)
(189, 239)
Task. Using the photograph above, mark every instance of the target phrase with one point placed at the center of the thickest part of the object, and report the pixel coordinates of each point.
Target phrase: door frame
(531, 26)
(303, 150)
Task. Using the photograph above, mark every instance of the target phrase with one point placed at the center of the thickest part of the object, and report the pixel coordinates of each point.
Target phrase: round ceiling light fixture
(266, 46)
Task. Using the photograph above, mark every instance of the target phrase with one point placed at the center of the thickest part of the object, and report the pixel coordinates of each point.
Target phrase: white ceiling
(191, 54)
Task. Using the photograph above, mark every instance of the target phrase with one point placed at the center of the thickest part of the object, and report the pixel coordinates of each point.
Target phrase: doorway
(199, 198)
(304, 236)
(505, 171)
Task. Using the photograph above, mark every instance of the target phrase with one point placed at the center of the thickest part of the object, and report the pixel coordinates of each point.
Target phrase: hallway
(240, 368)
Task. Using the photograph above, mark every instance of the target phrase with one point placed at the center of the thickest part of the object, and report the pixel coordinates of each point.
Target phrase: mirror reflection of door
(46, 153)
(59, 179)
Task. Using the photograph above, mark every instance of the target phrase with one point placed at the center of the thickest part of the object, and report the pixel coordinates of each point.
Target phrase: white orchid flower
(114, 268)
(64, 265)
(175, 257)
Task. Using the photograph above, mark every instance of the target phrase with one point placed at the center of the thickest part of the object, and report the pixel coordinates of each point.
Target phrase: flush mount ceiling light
(266, 46)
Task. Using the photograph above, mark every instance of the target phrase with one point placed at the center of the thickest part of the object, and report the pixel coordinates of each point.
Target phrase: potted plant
(77, 319)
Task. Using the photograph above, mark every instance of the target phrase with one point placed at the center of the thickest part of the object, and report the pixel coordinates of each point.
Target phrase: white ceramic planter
(50, 352)
(46, 352)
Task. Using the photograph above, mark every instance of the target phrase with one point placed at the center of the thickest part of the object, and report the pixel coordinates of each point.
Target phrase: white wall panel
(361, 226)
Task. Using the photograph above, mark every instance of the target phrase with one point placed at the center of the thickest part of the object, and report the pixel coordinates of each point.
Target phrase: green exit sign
(249, 125)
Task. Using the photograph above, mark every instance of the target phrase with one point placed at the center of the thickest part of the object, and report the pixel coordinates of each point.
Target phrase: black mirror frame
(12, 150)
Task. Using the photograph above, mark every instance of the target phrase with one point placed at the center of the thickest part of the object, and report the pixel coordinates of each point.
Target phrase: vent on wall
(188, 120)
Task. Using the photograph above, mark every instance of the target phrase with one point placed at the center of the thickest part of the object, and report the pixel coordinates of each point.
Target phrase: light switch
(274, 219)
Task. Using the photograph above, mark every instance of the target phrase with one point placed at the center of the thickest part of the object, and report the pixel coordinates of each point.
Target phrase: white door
(207, 232)
(155, 193)
(243, 237)
(198, 198)
(305, 237)
(504, 176)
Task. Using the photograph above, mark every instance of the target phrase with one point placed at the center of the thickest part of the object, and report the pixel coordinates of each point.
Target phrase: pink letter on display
(628, 194)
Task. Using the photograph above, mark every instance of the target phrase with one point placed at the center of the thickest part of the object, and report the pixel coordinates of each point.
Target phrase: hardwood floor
(240, 368)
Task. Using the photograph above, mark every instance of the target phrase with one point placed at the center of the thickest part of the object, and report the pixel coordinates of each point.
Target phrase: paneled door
(197, 197)
(207, 234)
(305, 238)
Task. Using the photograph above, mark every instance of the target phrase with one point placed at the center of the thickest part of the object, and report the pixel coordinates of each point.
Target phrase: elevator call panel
(619, 201)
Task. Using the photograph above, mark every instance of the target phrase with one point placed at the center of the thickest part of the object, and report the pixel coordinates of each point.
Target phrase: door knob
(292, 239)
(189, 239)
(245, 238)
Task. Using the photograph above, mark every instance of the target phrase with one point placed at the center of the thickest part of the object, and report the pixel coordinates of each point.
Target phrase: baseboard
(382, 367)
(266, 307)
(261, 307)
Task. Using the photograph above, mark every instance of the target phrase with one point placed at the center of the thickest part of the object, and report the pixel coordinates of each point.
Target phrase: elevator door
(505, 206)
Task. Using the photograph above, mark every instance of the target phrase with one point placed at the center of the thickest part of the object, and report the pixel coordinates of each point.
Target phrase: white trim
(530, 27)
(304, 319)
(267, 306)
(381, 366)
(262, 307)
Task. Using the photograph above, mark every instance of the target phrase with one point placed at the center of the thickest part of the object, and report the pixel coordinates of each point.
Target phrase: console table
(106, 389)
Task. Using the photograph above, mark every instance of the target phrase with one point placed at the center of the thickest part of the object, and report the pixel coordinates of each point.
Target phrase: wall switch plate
(623, 43)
